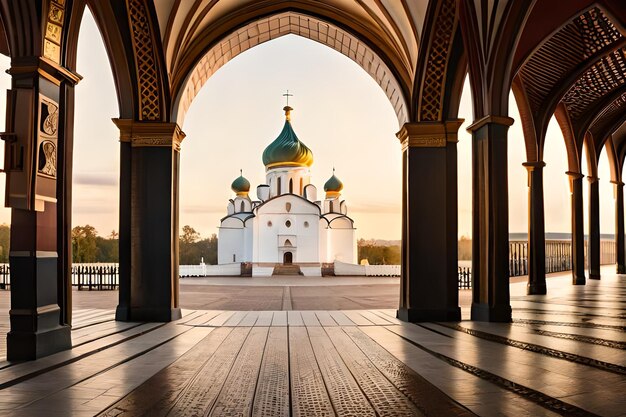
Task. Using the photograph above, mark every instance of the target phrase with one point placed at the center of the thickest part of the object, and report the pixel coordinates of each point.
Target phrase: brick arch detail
(278, 25)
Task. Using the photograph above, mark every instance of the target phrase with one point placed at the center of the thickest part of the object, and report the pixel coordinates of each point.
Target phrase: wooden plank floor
(562, 355)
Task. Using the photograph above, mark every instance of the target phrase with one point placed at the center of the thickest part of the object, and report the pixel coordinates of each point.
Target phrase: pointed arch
(534, 152)
(592, 156)
(614, 162)
(571, 145)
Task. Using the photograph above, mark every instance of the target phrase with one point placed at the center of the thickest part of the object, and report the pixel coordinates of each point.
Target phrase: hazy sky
(340, 113)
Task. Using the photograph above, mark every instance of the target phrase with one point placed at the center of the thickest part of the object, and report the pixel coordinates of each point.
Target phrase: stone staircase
(289, 269)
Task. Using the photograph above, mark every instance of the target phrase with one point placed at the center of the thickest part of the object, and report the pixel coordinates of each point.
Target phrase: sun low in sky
(340, 113)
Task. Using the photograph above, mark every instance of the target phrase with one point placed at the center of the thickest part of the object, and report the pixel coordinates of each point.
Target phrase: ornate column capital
(150, 134)
(573, 176)
(617, 183)
(429, 134)
(34, 66)
(490, 119)
(534, 165)
(592, 179)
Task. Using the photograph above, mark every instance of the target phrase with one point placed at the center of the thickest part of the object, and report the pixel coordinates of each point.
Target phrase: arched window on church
(243, 206)
(278, 186)
(290, 185)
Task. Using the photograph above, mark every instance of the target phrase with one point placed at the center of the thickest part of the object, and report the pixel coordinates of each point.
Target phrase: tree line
(88, 247)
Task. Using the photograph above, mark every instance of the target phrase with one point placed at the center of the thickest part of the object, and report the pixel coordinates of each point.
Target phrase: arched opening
(288, 258)
(608, 255)
(95, 176)
(303, 66)
(275, 26)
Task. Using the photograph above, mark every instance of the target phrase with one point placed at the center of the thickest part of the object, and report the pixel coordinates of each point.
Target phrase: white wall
(305, 239)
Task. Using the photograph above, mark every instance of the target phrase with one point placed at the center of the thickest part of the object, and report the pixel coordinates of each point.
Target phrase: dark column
(620, 254)
(536, 229)
(594, 227)
(37, 130)
(578, 234)
(149, 221)
(429, 284)
(490, 241)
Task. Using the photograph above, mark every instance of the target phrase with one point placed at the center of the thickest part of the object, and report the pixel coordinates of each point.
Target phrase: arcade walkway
(562, 355)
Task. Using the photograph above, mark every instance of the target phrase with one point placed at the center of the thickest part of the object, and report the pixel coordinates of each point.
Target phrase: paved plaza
(562, 355)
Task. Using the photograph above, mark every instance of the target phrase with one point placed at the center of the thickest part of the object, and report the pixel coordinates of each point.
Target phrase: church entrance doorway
(288, 258)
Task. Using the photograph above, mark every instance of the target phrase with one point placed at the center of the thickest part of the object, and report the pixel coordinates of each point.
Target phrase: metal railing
(558, 258)
(95, 277)
(465, 278)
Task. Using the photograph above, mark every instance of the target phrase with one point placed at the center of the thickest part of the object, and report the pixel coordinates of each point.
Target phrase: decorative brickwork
(146, 61)
(434, 79)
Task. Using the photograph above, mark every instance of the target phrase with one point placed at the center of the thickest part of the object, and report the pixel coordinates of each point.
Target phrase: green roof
(240, 185)
(333, 184)
(287, 149)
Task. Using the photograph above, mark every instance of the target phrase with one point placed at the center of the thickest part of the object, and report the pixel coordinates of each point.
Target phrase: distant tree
(107, 250)
(465, 248)
(188, 250)
(208, 250)
(189, 235)
(5, 240)
(378, 254)
(192, 249)
(84, 247)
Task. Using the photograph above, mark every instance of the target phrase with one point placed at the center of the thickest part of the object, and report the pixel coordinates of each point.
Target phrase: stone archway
(308, 26)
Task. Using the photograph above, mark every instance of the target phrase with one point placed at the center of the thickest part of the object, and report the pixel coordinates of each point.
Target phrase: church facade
(287, 223)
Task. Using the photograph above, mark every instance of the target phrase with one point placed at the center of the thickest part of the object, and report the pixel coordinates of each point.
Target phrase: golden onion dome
(287, 149)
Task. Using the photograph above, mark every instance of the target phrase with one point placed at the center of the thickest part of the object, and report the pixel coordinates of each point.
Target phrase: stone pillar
(490, 239)
(578, 234)
(149, 220)
(36, 131)
(620, 248)
(536, 229)
(429, 284)
(594, 227)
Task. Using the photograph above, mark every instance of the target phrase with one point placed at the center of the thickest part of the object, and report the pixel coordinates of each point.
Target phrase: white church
(287, 224)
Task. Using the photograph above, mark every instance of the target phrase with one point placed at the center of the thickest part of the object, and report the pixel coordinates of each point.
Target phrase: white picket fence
(345, 269)
(204, 270)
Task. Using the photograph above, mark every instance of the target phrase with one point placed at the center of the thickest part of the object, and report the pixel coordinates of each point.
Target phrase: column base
(536, 289)
(621, 269)
(578, 280)
(594, 276)
(28, 346)
(122, 313)
(498, 314)
(147, 314)
(414, 315)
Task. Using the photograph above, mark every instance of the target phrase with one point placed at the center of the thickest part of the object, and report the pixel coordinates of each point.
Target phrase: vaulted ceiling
(578, 63)
(199, 36)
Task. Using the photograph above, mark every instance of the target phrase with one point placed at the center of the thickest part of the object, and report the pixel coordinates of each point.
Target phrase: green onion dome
(333, 186)
(241, 186)
(286, 149)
